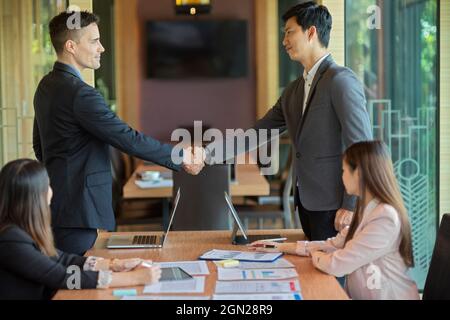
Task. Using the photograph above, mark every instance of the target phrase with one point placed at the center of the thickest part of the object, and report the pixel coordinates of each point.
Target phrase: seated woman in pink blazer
(375, 251)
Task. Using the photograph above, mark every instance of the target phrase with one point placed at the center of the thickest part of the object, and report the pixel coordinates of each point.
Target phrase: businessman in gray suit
(324, 112)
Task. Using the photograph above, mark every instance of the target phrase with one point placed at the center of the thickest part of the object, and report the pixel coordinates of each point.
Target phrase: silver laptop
(144, 241)
(245, 238)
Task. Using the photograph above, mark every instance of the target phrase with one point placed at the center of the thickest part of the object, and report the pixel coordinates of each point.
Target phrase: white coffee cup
(150, 175)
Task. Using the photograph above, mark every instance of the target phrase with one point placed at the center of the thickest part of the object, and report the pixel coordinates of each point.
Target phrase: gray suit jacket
(334, 119)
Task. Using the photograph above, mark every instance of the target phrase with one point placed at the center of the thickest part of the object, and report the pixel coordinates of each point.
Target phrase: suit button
(298, 155)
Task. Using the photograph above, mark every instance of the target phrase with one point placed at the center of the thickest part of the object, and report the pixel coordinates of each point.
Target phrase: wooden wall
(127, 49)
(267, 55)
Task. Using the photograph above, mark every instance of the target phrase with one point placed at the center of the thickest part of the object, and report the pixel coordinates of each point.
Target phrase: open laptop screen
(235, 216)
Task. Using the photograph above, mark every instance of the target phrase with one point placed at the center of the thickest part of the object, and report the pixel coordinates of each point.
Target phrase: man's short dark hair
(310, 14)
(62, 27)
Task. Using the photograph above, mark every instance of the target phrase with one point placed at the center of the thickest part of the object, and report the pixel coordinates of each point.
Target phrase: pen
(266, 246)
(274, 240)
(147, 265)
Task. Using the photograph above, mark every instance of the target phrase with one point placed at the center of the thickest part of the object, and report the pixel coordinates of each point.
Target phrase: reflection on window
(398, 65)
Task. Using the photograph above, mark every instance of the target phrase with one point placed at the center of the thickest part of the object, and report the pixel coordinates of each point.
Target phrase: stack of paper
(195, 285)
(256, 274)
(259, 297)
(277, 264)
(259, 276)
(257, 287)
(194, 268)
(240, 255)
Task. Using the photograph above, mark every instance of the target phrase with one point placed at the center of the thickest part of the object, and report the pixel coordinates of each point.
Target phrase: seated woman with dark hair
(30, 265)
(375, 251)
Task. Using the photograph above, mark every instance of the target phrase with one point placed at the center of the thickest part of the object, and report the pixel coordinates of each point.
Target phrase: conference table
(189, 246)
(249, 182)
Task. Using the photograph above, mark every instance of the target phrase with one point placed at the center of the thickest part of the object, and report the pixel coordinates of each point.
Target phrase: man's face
(88, 50)
(296, 41)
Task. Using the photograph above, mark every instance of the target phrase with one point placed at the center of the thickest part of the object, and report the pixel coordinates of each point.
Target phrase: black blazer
(73, 129)
(27, 274)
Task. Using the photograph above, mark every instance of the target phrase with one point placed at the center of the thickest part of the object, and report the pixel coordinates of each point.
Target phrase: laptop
(144, 241)
(245, 238)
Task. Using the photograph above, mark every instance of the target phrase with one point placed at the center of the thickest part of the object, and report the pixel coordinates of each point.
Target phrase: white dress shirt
(309, 78)
(371, 261)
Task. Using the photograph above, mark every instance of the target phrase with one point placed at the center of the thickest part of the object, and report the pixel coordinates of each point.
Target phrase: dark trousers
(317, 225)
(73, 240)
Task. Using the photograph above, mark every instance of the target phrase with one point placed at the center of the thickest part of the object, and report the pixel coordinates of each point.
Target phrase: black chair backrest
(437, 286)
(119, 179)
(202, 204)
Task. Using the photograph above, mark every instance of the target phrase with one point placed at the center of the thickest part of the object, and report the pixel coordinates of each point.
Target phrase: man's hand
(343, 219)
(194, 160)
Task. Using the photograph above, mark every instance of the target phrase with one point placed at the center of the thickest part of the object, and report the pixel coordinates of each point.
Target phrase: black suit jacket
(72, 132)
(27, 274)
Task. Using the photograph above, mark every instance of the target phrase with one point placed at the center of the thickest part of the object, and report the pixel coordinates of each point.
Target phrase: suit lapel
(322, 69)
(298, 104)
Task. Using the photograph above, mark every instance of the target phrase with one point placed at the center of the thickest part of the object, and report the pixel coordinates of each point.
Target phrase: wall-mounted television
(197, 49)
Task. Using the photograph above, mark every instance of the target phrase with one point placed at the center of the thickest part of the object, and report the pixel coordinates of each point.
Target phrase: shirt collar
(312, 73)
(68, 68)
(371, 205)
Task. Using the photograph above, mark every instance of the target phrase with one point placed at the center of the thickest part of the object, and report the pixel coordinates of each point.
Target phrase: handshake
(194, 160)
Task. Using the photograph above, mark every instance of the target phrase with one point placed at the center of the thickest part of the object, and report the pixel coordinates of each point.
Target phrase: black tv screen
(197, 49)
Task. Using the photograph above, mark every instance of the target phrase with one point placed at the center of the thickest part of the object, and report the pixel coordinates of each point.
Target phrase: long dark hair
(377, 176)
(24, 186)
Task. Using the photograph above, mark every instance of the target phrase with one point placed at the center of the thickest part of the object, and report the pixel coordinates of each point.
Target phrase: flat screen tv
(197, 49)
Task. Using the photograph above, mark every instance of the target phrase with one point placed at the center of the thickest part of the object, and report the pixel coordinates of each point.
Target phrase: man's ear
(311, 32)
(70, 46)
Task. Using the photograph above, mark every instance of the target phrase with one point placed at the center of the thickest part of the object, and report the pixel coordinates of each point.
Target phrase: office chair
(437, 285)
(202, 204)
(279, 204)
(131, 211)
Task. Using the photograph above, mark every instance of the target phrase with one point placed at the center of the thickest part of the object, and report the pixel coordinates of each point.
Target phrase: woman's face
(49, 195)
(350, 179)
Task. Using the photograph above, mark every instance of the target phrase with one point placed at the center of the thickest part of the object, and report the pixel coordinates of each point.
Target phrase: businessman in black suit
(73, 130)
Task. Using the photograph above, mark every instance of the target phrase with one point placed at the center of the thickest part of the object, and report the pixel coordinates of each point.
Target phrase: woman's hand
(125, 265)
(273, 247)
(147, 275)
(141, 276)
(343, 219)
(265, 246)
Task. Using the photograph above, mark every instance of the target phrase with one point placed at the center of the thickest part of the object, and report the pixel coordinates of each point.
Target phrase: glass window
(24, 61)
(393, 49)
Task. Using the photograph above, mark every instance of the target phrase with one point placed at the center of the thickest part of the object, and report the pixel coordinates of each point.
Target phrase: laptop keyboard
(144, 240)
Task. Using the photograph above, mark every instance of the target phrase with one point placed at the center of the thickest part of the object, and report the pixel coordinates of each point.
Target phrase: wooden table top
(250, 182)
(188, 246)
